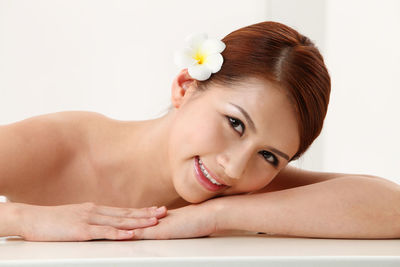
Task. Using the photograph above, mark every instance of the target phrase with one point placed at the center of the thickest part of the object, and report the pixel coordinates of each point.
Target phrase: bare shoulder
(71, 119)
(40, 147)
(63, 120)
(72, 128)
(85, 131)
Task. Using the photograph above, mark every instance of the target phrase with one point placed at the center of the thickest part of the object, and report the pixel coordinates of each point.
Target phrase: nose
(234, 162)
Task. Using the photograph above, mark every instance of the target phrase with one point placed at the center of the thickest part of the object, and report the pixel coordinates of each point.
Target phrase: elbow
(381, 179)
(397, 204)
(396, 210)
(383, 204)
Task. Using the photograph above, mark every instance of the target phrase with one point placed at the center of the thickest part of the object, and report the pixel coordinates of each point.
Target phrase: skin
(230, 153)
(117, 163)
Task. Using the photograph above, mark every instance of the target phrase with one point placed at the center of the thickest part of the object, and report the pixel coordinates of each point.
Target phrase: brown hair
(278, 53)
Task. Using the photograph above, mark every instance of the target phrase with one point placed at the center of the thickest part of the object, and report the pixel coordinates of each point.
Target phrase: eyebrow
(283, 155)
(253, 127)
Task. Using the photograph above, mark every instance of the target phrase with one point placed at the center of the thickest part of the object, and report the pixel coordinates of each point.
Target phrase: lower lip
(203, 180)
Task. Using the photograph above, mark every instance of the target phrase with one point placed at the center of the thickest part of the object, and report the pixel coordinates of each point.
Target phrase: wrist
(218, 210)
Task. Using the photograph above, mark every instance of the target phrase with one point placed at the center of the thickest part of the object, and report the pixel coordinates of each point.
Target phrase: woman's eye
(270, 157)
(236, 124)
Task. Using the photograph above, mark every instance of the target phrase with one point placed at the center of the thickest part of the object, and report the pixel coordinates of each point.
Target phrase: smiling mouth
(205, 178)
(206, 174)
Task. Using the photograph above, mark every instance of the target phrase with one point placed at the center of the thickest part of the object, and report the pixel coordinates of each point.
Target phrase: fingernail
(161, 209)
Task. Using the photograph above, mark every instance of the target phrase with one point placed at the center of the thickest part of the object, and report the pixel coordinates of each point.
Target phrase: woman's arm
(346, 207)
(290, 177)
(73, 222)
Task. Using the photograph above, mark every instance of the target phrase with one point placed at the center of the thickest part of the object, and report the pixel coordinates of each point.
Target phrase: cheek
(192, 135)
(198, 135)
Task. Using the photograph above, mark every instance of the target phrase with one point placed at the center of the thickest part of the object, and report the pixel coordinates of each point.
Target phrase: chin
(190, 196)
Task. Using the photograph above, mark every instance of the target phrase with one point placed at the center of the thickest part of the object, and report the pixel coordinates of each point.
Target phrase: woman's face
(242, 135)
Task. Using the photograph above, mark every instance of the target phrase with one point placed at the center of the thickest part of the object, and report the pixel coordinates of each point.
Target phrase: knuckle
(85, 216)
(86, 211)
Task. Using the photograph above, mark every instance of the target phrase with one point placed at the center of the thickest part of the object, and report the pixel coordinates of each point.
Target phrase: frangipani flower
(201, 56)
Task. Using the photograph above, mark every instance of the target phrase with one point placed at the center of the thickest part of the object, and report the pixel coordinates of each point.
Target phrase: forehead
(268, 106)
(251, 91)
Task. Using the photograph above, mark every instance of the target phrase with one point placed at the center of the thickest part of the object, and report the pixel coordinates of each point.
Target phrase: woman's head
(277, 76)
(277, 53)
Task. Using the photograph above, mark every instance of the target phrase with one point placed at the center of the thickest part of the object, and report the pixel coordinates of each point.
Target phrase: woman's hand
(80, 222)
(196, 220)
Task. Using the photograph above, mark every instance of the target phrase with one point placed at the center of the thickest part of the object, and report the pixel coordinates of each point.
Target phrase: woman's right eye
(236, 123)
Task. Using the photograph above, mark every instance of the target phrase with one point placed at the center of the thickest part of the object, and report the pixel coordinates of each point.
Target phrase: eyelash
(265, 154)
(233, 121)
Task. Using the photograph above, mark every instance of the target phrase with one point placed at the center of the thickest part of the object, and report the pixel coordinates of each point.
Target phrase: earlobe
(180, 86)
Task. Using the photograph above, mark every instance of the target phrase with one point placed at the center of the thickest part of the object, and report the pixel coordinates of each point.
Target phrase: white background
(116, 58)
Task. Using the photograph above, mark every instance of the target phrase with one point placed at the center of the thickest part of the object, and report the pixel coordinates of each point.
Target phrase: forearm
(349, 207)
(9, 219)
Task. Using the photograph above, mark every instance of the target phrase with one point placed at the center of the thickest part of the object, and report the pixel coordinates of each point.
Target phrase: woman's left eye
(236, 123)
(270, 157)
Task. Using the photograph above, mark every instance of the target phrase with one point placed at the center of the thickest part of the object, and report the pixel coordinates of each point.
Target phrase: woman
(219, 156)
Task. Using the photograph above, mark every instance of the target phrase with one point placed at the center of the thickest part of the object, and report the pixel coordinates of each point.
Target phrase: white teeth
(207, 174)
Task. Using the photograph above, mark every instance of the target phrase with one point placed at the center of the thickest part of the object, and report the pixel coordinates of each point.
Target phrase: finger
(108, 232)
(131, 212)
(121, 222)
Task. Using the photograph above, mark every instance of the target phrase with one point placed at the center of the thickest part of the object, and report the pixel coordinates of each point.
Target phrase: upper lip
(212, 174)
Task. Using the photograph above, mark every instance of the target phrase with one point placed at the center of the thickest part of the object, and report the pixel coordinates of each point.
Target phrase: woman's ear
(180, 87)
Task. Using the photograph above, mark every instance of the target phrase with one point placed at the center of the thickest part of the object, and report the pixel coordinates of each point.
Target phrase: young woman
(218, 160)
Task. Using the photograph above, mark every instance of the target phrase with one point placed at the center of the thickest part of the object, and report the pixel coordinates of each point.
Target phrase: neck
(151, 179)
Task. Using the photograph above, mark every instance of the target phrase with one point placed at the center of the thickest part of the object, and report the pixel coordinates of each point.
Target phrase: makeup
(203, 180)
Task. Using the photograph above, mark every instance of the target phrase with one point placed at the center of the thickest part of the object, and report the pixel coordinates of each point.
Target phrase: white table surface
(235, 249)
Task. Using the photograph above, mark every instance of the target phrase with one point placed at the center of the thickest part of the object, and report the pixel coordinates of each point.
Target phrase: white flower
(201, 56)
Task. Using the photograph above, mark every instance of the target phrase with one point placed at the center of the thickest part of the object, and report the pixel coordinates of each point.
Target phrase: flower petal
(184, 58)
(213, 46)
(199, 72)
(214, 62)
(195, 40)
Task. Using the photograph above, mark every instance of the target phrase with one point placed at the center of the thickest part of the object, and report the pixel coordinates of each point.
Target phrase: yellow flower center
(200, 57)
